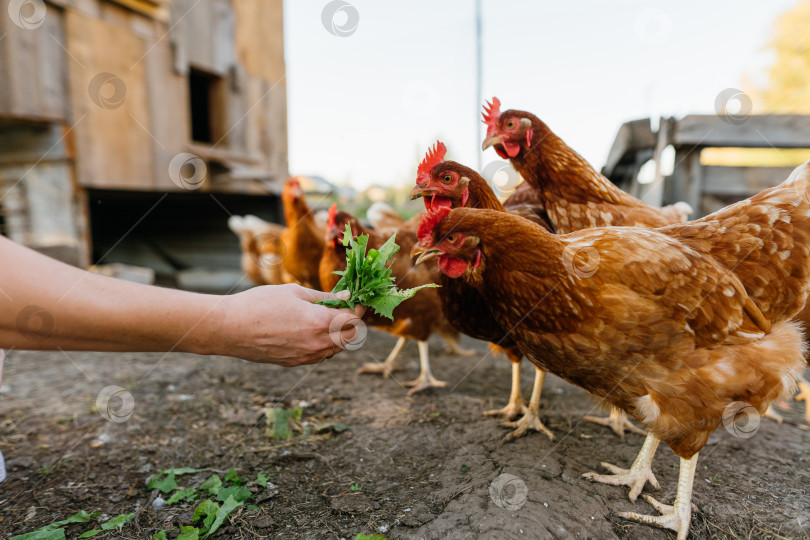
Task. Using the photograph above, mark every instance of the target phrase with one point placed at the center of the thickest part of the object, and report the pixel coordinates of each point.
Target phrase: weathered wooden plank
(758, 131)
(111, 121)
(260, 37)
(685, 184)
(632, 136)
(155, 9)
(203, 33)
(742, 181)
(33, 68)
(26, 143)
(168, 108)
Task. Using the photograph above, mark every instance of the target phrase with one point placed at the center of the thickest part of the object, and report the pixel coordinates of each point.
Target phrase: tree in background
(787, 92)
(789, 77)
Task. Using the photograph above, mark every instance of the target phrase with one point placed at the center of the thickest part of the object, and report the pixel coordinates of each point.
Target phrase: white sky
(363, 109)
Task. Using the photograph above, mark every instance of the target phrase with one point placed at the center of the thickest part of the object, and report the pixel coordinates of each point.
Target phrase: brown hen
(302, 239)
(574, 195)
(417, 318)
(449, 184)
(675, 326)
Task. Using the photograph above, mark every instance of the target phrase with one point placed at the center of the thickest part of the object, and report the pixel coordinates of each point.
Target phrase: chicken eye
(447, 178)
(511, 124)
(451, 238)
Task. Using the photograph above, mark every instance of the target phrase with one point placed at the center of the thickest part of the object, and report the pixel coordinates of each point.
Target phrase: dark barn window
(206, 93)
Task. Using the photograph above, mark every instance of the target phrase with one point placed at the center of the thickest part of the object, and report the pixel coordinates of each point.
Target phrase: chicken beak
(421, 192)
(491, 140)
(423, 254)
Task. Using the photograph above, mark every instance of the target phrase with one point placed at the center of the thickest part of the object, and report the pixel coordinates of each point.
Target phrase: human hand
(280, 324)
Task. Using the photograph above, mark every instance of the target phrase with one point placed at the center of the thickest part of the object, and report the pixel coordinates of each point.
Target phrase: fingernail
(344, 295)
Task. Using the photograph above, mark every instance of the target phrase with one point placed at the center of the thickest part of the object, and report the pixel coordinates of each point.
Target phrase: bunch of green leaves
(56, 531)
(368, 277)
(211, 513)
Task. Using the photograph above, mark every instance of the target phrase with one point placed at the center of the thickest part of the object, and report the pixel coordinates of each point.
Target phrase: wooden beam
(742, 181)
(155, 9)
(632, 136)
(757, 131)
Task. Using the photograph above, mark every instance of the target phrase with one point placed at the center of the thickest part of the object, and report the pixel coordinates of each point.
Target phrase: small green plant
(354, 487)
(55, 530)
(282, 423)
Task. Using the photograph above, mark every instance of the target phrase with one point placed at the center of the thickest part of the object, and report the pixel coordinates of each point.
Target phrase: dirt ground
(408, 467)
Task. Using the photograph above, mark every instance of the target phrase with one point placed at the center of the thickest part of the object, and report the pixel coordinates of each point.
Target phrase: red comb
(434, 156)
(492, 112)
(332, 214)
(429, 222)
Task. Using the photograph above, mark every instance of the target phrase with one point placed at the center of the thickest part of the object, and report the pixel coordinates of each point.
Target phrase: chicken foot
(454, 346)
(677, 516)
(639, 473)
(617, 421)
(516, 406)
(426, 379)
(531, 419)
(387, 367)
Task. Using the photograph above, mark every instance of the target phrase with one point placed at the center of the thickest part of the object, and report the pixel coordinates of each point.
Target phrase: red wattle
(464, 196)
(512, 149)
(499, 150)
(442, 202)
(452, 267)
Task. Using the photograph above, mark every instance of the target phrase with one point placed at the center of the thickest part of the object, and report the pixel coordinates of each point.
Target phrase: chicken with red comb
(444, 185)
(682, 327)
(417, 319)
(574, 195)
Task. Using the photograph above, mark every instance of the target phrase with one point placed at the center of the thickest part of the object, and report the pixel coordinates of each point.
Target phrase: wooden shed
(131, 129)
(706, 187)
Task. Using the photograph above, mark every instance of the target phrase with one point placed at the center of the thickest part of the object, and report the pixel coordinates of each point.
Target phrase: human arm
(45, 304)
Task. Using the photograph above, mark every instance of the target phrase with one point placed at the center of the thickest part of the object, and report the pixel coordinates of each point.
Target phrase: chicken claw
(460, 352)
(639, 473)
(531, 419)
(678, 516)
(515, 407)
(804, 395)
(426, 379)
(423, 382)
(773, 415)
(510, 411)
(387, 367)
(617, 421)
(376, 368)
